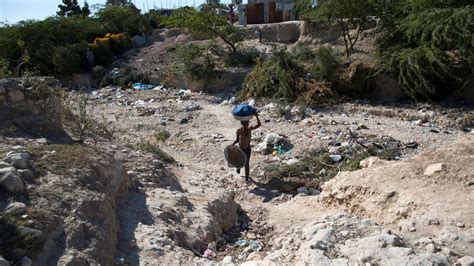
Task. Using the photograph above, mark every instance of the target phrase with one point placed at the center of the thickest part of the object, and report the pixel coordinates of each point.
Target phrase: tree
(118, 2)
(348, 14)
(208, 24)
(211, 6)
(71, 8)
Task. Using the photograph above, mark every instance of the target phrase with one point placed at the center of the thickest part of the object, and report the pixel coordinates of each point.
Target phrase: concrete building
(266, 11)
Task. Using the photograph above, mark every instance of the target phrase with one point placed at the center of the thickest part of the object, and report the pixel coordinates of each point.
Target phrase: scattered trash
(253, 244)
(192, 107)
(142, 87)
(335, 158)
(116, 73)
(309, 111)
(209, 254)
(272, 141)
(139, 103)
(251, 102)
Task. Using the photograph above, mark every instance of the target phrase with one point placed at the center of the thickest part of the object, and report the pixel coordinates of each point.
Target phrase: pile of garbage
(275, 144)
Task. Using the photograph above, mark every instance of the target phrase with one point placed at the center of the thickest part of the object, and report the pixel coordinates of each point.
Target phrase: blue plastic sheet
(244, 110)
(142, 87)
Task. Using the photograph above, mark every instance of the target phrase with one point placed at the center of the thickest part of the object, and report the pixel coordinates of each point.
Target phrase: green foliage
(302, 8)
(317, 164)
(348, 14)
(70, 58)
(210, 6)
(193, 61)
(325, 64)
(4, 69)
(71, 8)
(281, 77)
(162, 135)
(123, 19)
(428, 47)
(40, 38)
(206, 24)
(118, 2)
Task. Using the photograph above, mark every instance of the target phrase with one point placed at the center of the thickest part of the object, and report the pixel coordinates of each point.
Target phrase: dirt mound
(430, 194)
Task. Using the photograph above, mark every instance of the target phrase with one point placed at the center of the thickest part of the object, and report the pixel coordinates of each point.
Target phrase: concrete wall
(34, 106)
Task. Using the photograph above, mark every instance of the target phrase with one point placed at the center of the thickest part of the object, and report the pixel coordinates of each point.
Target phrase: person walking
(244, 136)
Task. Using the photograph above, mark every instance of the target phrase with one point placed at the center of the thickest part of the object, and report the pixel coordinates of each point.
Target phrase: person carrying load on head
(244, 136)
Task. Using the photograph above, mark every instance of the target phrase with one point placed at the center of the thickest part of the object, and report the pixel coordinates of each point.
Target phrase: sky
(16, 10)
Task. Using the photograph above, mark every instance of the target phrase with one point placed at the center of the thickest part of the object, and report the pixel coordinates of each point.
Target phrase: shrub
(325, 64)
(194, 62)
(123, 19)
(162, 135)
(427, 46)
(40, 38)
(71, 58)
(282, 77)
(4, 68)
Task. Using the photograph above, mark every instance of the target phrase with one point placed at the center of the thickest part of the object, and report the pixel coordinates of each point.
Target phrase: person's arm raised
(259, 124)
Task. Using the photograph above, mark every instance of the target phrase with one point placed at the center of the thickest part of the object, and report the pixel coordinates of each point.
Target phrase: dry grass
(59, 158)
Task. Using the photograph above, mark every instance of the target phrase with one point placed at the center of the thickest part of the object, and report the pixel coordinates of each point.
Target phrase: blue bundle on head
(244, 112)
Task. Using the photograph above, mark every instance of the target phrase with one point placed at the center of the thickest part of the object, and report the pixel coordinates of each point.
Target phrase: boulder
(138, 40)
(4, 262)
(465, 261)
(11, 181)
(19, 160)
(16, 208)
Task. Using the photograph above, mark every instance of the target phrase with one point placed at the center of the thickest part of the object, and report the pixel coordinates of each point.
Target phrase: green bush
(4, 68)
(193, 61)
(40, 38)
(119, 19)
(282, 77)
(71, 58)
(325, 64)
(427, 46)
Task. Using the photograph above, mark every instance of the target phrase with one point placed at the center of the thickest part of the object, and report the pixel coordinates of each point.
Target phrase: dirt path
(170, 218)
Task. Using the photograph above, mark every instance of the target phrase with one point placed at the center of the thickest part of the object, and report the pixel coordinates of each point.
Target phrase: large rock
(465, 261)
(11, 181)
(4, 262)
(19, 160)
(16, 208)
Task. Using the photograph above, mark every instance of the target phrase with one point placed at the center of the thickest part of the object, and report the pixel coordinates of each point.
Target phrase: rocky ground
(265, 231)
(150, 183)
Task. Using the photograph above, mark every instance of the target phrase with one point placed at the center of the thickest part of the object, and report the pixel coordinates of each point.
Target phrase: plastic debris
(142, 87)
(253, 244)
(209, 254)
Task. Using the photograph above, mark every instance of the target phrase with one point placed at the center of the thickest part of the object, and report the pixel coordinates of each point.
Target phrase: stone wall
(33, 106)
